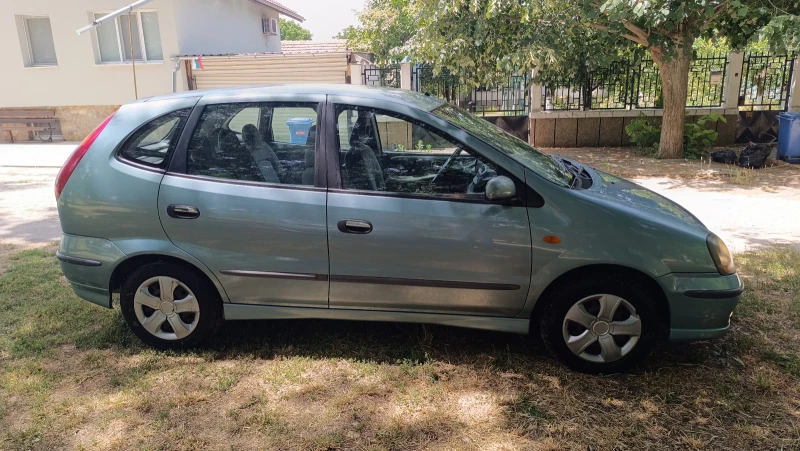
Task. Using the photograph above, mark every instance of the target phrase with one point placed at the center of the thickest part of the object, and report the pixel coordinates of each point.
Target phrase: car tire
(169, 306)
(600, 325)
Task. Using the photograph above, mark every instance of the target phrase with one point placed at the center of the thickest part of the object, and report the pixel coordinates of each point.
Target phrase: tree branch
(643, 35)
(717, 11)
(634, 38)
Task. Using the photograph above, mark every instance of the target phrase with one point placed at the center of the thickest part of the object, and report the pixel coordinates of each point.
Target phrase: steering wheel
(456, 153)
(482, 176)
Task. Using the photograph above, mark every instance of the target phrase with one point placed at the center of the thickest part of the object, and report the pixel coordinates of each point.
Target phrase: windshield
(517, 149)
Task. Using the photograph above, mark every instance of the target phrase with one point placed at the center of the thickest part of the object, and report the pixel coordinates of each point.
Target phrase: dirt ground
(28, 215)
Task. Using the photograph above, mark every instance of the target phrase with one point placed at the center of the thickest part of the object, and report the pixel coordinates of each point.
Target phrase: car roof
(402, 96)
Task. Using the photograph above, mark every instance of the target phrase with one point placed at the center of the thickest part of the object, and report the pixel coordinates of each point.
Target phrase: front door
(242, 198)
(410, 229)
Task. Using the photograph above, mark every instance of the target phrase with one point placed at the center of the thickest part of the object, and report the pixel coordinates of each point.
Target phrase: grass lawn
(72, 376)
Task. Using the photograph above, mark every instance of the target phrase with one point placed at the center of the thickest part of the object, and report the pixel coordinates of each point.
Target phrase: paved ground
(50, 155)
(745, 216)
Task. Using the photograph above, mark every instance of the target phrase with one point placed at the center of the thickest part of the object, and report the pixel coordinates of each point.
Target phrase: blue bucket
(298, 129)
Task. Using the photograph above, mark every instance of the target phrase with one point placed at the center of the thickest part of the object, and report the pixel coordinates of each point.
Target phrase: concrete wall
(212, 27)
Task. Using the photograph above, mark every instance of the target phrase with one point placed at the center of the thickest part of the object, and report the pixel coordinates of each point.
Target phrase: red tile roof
(280, 8)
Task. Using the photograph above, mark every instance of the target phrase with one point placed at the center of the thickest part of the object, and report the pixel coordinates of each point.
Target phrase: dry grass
(626, 163)
(72, 376)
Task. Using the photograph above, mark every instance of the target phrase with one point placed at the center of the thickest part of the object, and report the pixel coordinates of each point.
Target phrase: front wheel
(169, 306)
(600, 325)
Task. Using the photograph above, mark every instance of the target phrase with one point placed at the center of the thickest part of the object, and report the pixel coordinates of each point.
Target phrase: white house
(83, 78)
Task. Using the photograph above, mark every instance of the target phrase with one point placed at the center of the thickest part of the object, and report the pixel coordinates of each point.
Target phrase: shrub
(696, 136)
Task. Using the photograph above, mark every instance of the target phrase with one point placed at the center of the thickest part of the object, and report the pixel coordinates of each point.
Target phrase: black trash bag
(727, 156)
(755, 155)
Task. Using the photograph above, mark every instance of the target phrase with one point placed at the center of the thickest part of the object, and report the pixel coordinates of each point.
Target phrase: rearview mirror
(500, 188)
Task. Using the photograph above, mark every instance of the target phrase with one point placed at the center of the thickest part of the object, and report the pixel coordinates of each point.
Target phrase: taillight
(73, 160)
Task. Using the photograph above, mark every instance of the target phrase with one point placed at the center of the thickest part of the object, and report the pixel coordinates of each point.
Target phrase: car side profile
(375, 204)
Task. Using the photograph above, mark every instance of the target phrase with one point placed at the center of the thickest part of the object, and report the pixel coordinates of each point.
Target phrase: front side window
(114, 37)
(517, 149)
(152, 144)
(38, 48)
(382, 151)
(256, 142)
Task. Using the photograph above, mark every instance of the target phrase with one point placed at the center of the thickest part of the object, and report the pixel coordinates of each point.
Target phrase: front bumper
(700, 305)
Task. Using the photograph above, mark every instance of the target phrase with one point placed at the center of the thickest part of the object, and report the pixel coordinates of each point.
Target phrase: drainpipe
(175, 70)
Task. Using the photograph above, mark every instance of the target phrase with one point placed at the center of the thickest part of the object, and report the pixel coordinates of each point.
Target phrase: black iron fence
(636, 84)
(765, 82)
(382, 75)
(624, 85)
(511, 97)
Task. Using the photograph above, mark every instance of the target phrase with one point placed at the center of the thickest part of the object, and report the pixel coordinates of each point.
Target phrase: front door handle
(183, 211)
(358, 226)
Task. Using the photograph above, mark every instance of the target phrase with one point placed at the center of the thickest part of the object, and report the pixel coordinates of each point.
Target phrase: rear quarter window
(152, 144)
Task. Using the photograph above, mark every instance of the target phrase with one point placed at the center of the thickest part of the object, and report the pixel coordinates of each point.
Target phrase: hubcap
(601, 328)
(166, 308)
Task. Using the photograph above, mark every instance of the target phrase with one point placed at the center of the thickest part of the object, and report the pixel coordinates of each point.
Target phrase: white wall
(78, 79)
(187, 27)
(211, 27)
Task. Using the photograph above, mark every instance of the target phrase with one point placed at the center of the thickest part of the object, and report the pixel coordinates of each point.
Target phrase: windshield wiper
(562, 166)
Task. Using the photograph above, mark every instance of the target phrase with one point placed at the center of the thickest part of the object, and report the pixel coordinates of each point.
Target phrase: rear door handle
(183, 211)
(358, 226)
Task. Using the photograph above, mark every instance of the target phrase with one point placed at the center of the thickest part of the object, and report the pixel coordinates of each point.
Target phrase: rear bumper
(88, 263)
(700, 305)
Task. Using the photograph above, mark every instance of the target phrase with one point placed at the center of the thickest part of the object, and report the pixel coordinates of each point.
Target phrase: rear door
(251, 212)
(409, 226)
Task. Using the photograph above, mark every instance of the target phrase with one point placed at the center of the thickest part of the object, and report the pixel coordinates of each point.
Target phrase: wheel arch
(610, 270)
(126, 266)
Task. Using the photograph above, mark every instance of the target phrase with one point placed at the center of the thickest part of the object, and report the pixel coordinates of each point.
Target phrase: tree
(292, 31)
(386, 27)
(484, 36)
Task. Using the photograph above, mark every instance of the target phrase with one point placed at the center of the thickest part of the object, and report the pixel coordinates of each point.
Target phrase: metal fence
(765, 82)
(636, 83)
(382, 75)
(511, 97)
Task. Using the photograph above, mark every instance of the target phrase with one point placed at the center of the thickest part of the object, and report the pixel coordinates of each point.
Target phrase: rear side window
(154, 142)
(267, 142)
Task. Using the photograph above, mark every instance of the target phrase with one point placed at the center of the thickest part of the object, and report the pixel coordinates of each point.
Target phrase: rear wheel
(169, 306)
(601, 325)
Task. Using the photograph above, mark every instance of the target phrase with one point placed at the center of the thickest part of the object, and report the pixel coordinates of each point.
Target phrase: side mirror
(500, 188)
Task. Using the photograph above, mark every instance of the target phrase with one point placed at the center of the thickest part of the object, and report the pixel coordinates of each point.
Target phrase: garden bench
(34, 120)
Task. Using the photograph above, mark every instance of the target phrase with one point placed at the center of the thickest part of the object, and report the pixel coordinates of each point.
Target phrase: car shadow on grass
(406, 343)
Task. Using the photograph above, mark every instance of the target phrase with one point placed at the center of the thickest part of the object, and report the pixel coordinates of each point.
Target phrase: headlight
(721, 255)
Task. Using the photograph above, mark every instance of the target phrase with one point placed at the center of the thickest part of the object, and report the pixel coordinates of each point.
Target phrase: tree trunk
(674, 85)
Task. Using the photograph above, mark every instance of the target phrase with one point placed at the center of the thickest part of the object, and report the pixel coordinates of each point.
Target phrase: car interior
(379, 152)
(253, 143)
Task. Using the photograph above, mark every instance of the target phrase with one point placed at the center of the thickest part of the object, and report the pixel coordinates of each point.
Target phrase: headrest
(250, 135)
(228, 139)
(362, 130)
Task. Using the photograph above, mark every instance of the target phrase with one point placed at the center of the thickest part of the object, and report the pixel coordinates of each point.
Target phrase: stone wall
(607, 128)
(75, 122)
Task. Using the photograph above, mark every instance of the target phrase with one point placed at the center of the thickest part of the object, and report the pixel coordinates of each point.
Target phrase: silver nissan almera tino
(341, 202)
